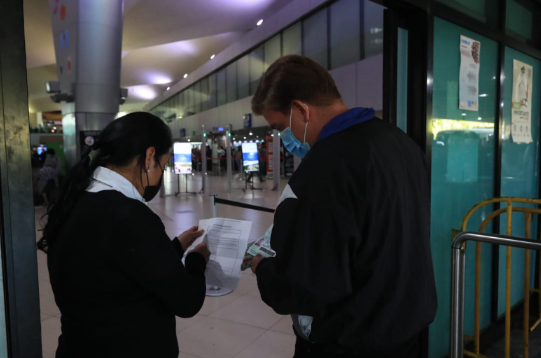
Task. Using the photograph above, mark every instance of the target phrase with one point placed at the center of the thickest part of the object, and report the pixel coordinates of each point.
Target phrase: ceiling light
(212, 57)
(168, 88)
(251, 133)
(259, 22)
(244, 137)
(272, 135)
(479, 118)
(185, 75)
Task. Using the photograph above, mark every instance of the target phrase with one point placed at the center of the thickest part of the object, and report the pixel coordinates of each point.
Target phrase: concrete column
(88, 45)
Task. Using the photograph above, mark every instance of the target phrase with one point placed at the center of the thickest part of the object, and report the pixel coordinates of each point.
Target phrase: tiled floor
(235, 325)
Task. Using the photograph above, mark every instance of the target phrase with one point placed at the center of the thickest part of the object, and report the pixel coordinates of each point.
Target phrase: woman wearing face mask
(117, 278)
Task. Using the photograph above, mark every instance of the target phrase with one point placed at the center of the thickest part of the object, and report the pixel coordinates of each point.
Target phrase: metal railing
(457, 288)
(509, 209)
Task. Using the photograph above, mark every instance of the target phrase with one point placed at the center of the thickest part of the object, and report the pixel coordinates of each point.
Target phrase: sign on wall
(521, 126)
(470, 52)
(183, 158)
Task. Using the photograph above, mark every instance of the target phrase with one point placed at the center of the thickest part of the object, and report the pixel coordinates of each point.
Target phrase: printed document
(227, 240)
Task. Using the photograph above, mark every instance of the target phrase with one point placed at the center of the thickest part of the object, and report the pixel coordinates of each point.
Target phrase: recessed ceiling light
(168, 88)
(211, 57)
(185, 75)
(259, 22)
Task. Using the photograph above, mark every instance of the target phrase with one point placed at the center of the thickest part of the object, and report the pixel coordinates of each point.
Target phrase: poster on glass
(250, 157)
(183, 158)
(522, 102)
(470, 52)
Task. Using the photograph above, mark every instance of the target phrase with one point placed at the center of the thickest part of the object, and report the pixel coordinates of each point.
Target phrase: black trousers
(410, 349)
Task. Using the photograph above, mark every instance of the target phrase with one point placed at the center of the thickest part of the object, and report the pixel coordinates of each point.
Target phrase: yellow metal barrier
(509, 209)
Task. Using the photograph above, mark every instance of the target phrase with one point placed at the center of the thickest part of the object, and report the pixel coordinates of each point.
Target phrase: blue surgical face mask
(292, 144)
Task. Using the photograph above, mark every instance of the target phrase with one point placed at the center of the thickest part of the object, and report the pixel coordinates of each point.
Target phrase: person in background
(351, 234)
(51, 154)
(262, 160)
(238, 159)
(48, 181)
(209, 158)
(117, 277)
(223, 160)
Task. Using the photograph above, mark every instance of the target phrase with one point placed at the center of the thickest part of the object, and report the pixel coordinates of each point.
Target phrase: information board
(250, 157)
(183, 158)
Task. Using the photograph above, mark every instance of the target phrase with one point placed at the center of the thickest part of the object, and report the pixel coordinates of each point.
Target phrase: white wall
(360, 84)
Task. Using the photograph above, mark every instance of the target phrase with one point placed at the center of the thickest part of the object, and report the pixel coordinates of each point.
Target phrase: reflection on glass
(345, 30)
(463, 150)
(243, 76)
(257, 67)
(272, 51)
(292, 40)
(519, 174)
(315, 37)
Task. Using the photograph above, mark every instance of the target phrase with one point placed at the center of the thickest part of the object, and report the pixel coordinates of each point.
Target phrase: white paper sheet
(522, 102)
(470, 51)
(227, 240)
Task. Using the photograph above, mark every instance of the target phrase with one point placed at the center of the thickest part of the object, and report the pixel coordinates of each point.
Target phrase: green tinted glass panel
(243, 76)
(257, 67)
(231, 74)
(272, 51)
(402, 80)
(315, 37)
(523, 21)
(519, 165)
(292, 43)
(462, 172)
(481, 10)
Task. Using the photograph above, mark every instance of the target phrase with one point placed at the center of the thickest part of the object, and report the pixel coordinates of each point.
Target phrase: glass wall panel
(292, 40)
(213, 91)
(462, 172)
(373, 28)
(257, 67)
(523, 21)
(402, 80)
(519, 159)
(345, 31)
(481, 10)
(197, 97)
(231, 74)
(190, 108)
(174, 107)
(204, 94)
(272, 50)
(315, 38)
(221, 87)
(181, 108)
(243, 76)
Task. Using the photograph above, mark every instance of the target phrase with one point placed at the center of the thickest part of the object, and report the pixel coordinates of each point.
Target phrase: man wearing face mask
(351, 233)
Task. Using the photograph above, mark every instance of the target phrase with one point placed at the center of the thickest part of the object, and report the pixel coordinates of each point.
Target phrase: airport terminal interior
(462, 78)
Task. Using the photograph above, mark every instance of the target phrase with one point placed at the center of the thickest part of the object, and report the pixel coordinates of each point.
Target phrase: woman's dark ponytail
(119, 143)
